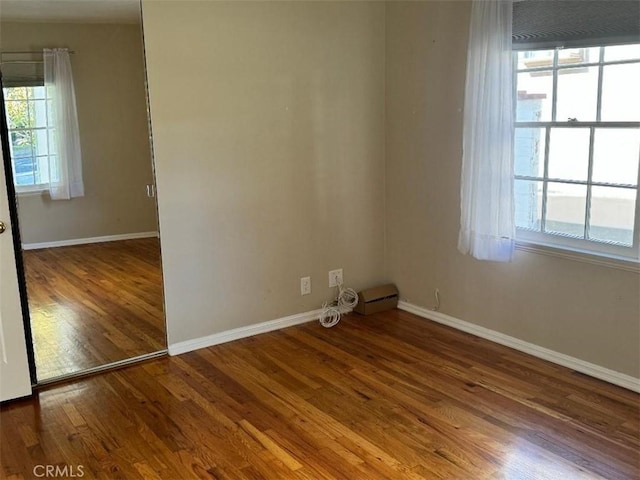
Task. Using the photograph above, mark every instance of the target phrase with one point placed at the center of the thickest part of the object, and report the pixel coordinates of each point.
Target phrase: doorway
(92, 263)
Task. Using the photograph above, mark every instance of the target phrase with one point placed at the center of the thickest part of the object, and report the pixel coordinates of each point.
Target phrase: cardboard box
(377, 299)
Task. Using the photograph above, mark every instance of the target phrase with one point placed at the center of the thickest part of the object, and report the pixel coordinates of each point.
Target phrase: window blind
(574, 23)
(17, 74)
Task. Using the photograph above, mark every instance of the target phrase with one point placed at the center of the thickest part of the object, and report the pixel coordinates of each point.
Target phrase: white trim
(600, 259)
(82, 241)
(242, 332)
(31, 190)
(611, 376)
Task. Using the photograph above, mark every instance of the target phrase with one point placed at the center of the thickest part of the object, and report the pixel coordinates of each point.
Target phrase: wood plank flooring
(387, 396)
(94, 304)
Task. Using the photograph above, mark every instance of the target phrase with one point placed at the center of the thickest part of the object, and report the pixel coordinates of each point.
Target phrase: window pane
(21, 143)
(528, 196)
(569, 153)
(620, 93)
(572, 56)
(612, 214)
(15, 93)
(41, 142)
(566, 207)
(535, 91)
(17, 114)
(529, 152)
(23, 171)
(621, 52)
(615, 155)
(37, 93)
(535, 59)
(42, 170)
(38, 113)
(577, 94)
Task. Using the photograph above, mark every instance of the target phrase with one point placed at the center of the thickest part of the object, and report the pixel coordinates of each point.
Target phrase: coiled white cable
(347, 299)
(329, 316)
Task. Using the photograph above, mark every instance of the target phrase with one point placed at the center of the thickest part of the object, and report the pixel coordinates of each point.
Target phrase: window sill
(30, 192)
(604, 260)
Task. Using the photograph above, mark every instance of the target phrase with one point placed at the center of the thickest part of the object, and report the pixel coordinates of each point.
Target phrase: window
(577, 148)
(30, 137)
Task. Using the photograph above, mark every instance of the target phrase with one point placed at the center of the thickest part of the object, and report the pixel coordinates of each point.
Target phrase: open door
(15, 381)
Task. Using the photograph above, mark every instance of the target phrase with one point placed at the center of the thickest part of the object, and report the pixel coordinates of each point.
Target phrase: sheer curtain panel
(487, 229)
(65, 157)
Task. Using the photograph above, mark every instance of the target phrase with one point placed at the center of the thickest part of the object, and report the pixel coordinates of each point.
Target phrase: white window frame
(529, 238)
(43, 160)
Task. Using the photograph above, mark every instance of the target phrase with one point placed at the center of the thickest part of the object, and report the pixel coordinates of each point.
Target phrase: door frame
(17, 243)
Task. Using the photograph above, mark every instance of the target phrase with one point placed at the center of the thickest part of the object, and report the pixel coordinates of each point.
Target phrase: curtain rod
(29, 62)
(32, 52)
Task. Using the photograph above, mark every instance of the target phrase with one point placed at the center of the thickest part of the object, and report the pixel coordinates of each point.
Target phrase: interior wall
(268, 123)
(583, 310)
(108, 69)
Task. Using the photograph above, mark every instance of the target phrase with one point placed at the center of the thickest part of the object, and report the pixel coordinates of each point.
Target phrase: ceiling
(71, 11)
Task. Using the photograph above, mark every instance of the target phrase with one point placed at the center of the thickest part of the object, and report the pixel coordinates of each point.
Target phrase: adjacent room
(480, 158)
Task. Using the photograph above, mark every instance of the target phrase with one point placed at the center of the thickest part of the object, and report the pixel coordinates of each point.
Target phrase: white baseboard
(591, 369)
(242, 332)
(82, 241)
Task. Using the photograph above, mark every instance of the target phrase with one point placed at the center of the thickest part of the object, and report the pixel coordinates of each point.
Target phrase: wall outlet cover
(335, 277)
(305, 285)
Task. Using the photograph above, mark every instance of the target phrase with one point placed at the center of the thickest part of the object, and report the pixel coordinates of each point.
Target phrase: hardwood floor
(94, 304)
(386, 396)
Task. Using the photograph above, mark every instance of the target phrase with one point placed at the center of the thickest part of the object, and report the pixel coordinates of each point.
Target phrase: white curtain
(65, 160)
(487, 228)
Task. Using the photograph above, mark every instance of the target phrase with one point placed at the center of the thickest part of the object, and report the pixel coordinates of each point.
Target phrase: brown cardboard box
(377, 299)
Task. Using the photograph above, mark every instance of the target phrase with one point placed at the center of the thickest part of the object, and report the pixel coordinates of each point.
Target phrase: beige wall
(271, 122)
(586, 311)
(109, 80)
(268, 122)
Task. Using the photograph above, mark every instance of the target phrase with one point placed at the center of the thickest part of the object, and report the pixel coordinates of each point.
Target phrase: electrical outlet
(305, 285)
(335, 277)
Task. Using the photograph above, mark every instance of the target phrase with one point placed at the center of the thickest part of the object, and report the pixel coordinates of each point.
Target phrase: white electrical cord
(347, 299)
(329, 316)
(437, 305)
